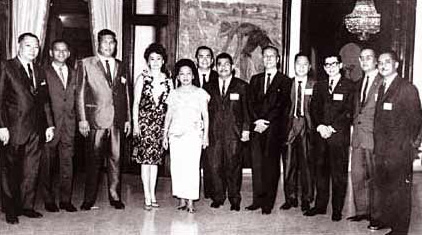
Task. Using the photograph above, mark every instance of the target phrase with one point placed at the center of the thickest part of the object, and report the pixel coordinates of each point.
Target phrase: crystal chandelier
(363, 20)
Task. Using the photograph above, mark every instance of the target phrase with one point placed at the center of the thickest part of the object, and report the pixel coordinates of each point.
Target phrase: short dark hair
(270, 47)
(203, 48)
(392, 53)
(224, 55)
(301, 54)
(186, 62)
(24, 35)
(333, 55)
(159, 49)
(59, 41)
(372, 49)
(105, 32)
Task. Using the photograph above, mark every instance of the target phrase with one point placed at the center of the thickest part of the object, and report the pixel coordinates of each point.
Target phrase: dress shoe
(31, 213)
(235, 207)
(358, 218)
(305, 206)
(12, 219)
(67, 206)
(215, 204)
(314, 211)
(86, 206)
(289, 204)
(336, 216)
(117, 204)
(252, 207)
(51, 207)
(375, 225)
(266, 211)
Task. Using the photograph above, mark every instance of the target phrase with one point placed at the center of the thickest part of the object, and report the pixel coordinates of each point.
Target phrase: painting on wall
(239, 27)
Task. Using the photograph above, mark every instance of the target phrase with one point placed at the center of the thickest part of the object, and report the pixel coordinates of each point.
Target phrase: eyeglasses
(331, 64)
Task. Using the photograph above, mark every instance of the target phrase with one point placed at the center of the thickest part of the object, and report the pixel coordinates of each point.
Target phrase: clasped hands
(261, 125)
(325, 131)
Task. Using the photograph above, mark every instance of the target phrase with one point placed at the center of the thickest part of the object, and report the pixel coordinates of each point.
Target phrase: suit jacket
(98, 102)
(306, 106)
(213, 76)
(274, 105)
(228, 116)
(23, 109)
(363, 117)
(334, 109)
(398, 119)
(63, 101)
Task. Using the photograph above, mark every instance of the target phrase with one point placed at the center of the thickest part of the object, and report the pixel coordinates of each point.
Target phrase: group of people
(202, 115)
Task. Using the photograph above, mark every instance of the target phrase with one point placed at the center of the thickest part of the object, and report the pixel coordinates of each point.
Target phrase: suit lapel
(274, 83)
(23, 76)
(116, 72)
(293, 96)
(230, 88)
(101, 67)
(392, 88)
(373, 89)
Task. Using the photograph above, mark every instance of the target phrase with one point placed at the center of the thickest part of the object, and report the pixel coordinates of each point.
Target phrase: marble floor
(167, 220)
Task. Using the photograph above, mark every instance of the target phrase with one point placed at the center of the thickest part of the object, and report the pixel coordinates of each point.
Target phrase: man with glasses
(331, 111)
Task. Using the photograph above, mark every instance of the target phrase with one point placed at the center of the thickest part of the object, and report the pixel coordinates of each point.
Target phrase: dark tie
(381, 91)
(268, 82)
(223, 88)
(31, 76)
(203, 79)
(365, 88)
(330, 88)
(108, 73)
(299, 100)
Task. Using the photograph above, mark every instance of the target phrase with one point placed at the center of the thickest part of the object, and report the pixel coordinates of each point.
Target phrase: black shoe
(117, 204)
(289, 204)
(358, 218)
(51, 207)
(67, 206)
(215, 204)
(375, 225)
(235, 207)
(12, 219)
(266, 211)
(336, 217)
(252, 207)
(305, 206)
(314, 211)
(30, 213)
(86, 206)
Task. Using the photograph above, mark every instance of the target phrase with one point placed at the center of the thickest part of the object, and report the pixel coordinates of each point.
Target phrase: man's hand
(4, 135)
(324, 131)
(205, 142)
(127, 128)
(245, 136)
(84, 128)
(261, 125)
(49, 134)
(136, 132)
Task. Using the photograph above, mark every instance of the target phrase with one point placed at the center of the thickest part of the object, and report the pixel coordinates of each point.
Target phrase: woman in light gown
(186, 133)
(149, 109)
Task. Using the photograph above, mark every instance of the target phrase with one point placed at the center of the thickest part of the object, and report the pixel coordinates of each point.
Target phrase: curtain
(28, 16)
(107, 14)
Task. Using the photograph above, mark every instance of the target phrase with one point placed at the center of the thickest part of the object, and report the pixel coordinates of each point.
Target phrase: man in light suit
(362, 137)
(25, 115)
(103, 115)
(398, 118)
(229, 125)
(57, 162)
(298, 158)
(331, 112)
(269, 104)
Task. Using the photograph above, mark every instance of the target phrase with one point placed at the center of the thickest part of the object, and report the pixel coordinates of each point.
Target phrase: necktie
(223, 88)
(31, 76)
(381, 91)
(108, 72)
(203, 79)
(330, 88)
(62, 76)
(299, 100)
(365, 88)
(268, 82)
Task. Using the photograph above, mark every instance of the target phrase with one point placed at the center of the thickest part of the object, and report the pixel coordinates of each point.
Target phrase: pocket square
(123, 80)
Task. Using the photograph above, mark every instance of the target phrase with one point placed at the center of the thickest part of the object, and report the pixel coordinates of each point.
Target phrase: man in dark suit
(103, 115)
(398, 117)
(205, 62)
(298, 158)
(331, 112)
(362, 136)
(269, 104)
(57, 162)
(229, 125)
(25, 115)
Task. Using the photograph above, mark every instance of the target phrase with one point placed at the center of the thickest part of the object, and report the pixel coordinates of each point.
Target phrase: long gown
(185, 140)
(147, 147)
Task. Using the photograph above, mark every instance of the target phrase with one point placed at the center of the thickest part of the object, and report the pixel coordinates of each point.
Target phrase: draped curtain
(107, 14)
(28, 16)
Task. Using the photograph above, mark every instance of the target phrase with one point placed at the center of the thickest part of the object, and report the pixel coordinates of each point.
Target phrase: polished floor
(167, 220)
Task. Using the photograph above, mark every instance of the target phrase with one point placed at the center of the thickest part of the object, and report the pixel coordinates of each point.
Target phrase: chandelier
(363, 20)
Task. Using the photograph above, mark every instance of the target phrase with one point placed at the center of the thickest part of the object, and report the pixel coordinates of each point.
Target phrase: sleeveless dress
(147, 147)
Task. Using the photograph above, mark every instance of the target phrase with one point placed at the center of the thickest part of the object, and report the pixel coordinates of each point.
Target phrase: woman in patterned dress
(186, 131)
(149, 109)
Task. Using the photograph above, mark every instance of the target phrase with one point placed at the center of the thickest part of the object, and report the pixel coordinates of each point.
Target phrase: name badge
(234, 96)
(123, 80)
(387, 106)
(338, 97)
(376, 97)
(308, 91)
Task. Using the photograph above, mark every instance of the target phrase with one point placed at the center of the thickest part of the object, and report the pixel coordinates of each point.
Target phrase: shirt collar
(103, 59)
(56, 66)
(372, 74)
(271, 71)
(388, 80)
(24, 63)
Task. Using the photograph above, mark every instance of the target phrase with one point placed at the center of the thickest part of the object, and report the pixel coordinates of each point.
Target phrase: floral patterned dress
(148, 147)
